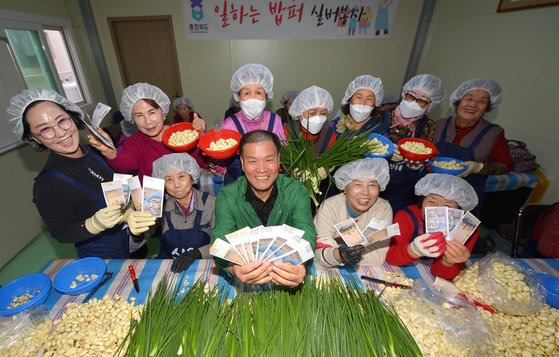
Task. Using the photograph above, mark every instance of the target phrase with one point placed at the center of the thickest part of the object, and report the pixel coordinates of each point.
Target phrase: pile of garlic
(96, 328)
(532, 335)
(502, 286)
(29, 342)
(536, 334)
(416, 147)
(423, 322)
(180, 138)
(222, 144)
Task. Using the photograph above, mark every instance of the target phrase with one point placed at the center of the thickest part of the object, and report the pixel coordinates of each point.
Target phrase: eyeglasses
(410, 97)
(49, 133)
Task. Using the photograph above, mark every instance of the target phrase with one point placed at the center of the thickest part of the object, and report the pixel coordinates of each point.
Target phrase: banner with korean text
(288, 19)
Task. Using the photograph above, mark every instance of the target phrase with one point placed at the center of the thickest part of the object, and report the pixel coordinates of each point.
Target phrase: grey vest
(482, 149)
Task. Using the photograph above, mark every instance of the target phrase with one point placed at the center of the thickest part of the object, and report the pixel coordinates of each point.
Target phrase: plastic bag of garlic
(509, 287)
(442, 324)
(23, 334)
(534, 334)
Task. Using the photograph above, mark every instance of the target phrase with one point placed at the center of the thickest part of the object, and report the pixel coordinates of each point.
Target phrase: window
(43, 50)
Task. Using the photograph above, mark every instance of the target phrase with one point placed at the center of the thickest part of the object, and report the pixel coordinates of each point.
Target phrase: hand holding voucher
(430, 245)
(108, 151)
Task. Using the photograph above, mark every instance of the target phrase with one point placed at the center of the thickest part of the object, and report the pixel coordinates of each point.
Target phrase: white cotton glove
(139, 222)
(396, 156)
(473, 168)
(198, 123)
(430, 245)
(103, 219)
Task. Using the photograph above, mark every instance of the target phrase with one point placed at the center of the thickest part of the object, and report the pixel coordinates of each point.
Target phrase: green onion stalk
(321, 318)
(301, 162)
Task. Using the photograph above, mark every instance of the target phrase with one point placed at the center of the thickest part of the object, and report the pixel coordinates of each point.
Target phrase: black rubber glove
(185, 260)
(351, 255)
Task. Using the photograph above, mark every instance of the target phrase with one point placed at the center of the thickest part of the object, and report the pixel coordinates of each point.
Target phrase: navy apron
(177, 241)
(234, 169)
(111, 243)
(401, 188)
(414, 221)
(466, 154)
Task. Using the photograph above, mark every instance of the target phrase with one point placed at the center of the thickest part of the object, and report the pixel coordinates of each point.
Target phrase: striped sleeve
(500, 152)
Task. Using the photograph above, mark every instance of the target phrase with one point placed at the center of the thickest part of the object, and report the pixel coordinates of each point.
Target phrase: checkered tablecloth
(151, 271)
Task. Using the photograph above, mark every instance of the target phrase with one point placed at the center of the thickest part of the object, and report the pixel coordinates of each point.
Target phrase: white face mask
(313, 124)
(253, 108)
(411, 109)
(360, 112)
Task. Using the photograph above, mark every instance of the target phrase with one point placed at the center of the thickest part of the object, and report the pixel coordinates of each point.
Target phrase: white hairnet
(312, 97)
(289, 95)
(252, 73)
(135, 92)
(370, 168)
(177, 162)
(452, 188)
(487, 84)
(431, 85)
(366, 82)
(184, 101)
(21, 101)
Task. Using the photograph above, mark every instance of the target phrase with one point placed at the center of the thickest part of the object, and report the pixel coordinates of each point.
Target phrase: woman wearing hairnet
(436, 190)
(67, 191)
(468, 136)
(420, 94)
(360, 110)
(286, 100)
(184, 112)
(252, 86)
(361, 181)
(188, 214)
(310, 110)
(146, 106)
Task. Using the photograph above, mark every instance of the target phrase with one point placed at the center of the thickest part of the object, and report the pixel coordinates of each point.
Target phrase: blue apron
(111, 243)
(466, 154)
(379, 128)
(234, 169)
(177, 241)
(401, 188)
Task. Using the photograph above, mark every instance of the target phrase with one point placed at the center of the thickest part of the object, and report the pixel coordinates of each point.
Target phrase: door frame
(112, 20)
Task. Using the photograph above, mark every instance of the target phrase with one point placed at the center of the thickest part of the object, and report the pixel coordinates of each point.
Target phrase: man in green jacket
(263, 197)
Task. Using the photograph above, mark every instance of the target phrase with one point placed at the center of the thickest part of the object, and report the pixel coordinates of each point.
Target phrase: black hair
(76, 117)
(487, 109)
(258, 136)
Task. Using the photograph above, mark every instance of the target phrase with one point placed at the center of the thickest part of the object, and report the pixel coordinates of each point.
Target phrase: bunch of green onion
(300, 161)
(323, 318)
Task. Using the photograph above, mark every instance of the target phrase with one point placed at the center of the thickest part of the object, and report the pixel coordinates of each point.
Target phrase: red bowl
(176, 128)
(413, 156)
(215, 136)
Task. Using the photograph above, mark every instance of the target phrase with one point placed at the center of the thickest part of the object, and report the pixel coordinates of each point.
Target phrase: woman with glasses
(420, 94)
(67, 192)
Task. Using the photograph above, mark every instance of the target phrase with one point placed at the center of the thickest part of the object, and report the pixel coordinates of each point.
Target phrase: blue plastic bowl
(440, 170)
(551, 285)
(27, 283)
(92, 265)
(384, 140)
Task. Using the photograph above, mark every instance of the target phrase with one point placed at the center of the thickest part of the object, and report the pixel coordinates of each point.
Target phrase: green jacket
(292, 207)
